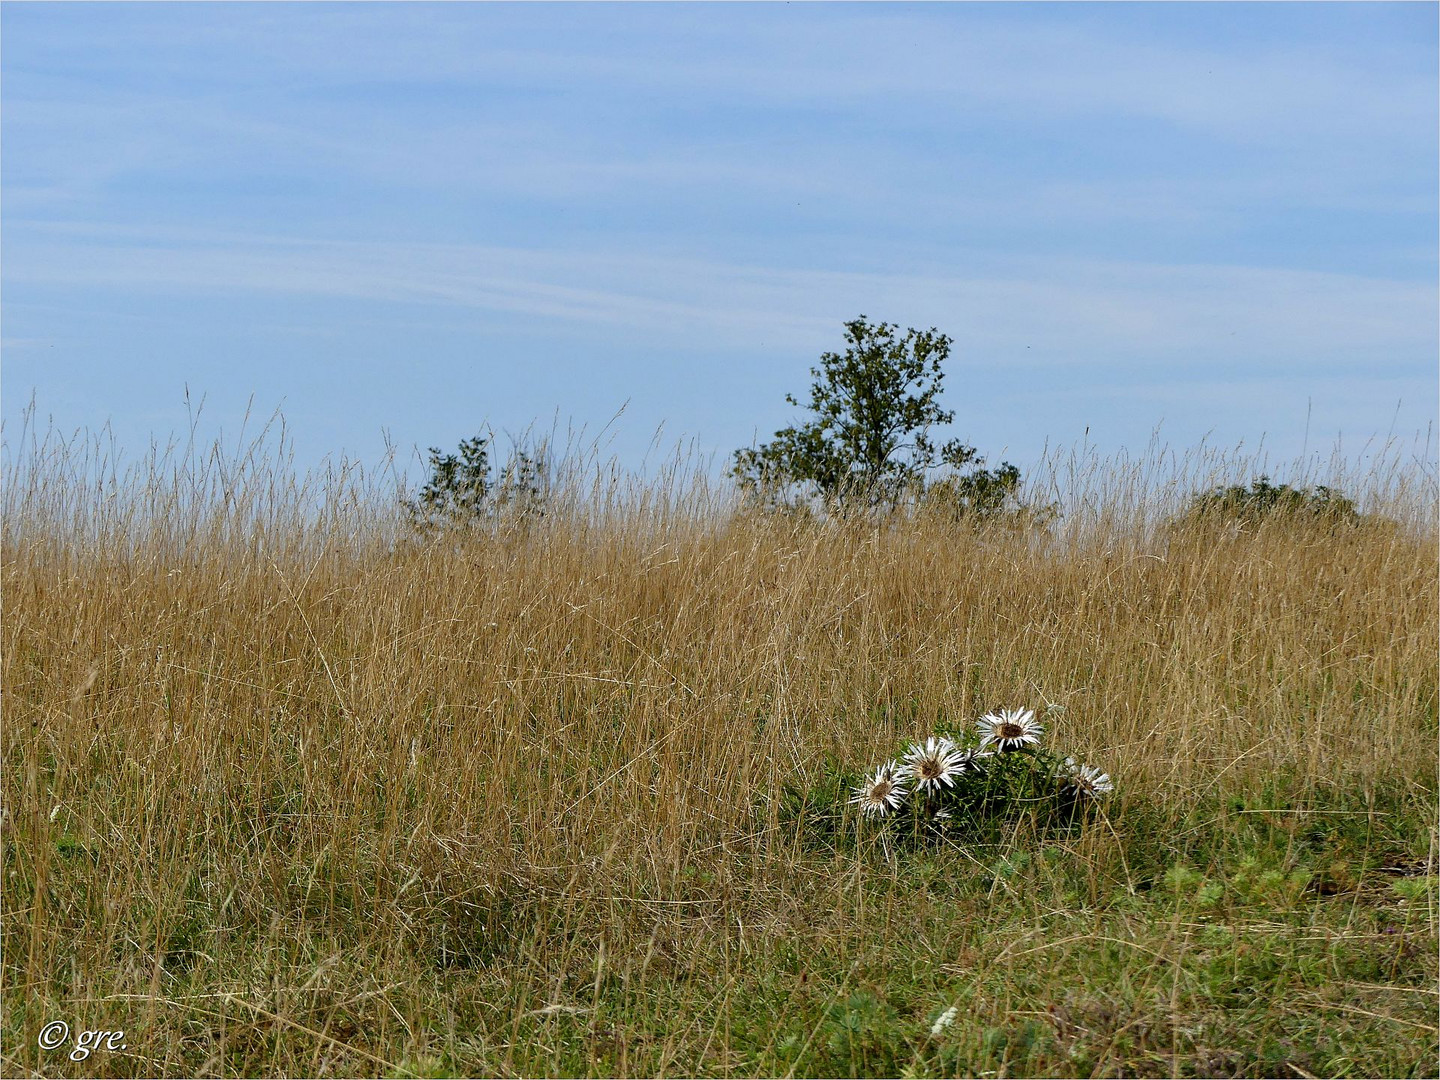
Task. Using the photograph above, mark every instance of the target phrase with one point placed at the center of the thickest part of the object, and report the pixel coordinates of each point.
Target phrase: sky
(400, 224)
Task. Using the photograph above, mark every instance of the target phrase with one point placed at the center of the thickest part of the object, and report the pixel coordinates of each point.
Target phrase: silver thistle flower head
(1010, 729)
(974, 758)
(882, 793)
(934, 764)
(1087, 780)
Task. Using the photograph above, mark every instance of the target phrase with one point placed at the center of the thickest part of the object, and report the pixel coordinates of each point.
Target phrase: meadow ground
(287, 793)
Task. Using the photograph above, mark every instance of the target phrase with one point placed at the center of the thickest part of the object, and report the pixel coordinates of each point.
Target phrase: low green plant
(961, 782)
(989, 496)
(859, 1034)
(1263, 499)
(468, 487)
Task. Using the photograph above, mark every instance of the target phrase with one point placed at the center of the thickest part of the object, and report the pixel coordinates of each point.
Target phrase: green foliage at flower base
(973, 804)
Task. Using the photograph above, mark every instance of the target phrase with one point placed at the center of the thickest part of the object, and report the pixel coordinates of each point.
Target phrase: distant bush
(467, 488)
(1262, 500)
(990, 496)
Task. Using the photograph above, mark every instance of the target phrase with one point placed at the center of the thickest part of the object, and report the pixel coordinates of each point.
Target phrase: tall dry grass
(275, 771)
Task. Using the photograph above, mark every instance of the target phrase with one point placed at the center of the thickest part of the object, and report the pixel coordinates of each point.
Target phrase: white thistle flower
(1087, 780)
(882, 793)
(975, 759)
(1010, 729)
(935, 763)
(940, 820)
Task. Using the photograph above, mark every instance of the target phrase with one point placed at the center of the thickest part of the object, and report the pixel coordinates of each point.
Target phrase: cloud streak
(1049, 310)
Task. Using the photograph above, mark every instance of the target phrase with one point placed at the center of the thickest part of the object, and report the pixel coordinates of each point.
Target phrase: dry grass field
(287, 792)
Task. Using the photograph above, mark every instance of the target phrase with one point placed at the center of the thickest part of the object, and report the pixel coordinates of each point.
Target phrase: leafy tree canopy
(868, 438)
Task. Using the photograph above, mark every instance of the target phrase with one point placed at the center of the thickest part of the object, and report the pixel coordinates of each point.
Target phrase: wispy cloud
(1237, 82)
(424, 97)
(1055, 310)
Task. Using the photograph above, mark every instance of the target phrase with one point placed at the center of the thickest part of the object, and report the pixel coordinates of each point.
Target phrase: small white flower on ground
(882, 793)
(1087, 780)
(1010, 729)
(943, 1021)
(935, 763)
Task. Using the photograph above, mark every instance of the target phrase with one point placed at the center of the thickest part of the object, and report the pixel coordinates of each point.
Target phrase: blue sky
(420, 219)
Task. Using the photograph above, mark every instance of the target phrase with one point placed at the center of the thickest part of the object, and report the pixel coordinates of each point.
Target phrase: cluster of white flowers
(930, 768)
(943, 1021)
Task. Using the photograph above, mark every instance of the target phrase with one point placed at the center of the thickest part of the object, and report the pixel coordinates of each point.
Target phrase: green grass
(1248, 938)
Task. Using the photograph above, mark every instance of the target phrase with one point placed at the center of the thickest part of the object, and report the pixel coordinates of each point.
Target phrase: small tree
(873, 406)
(463, 490)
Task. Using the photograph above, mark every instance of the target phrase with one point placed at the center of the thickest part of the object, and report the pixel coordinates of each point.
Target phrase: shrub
(957, 786)
(990, 496)
(1243, 505)
(465, 489)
